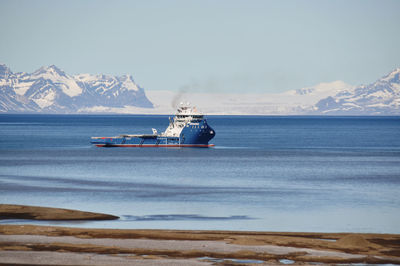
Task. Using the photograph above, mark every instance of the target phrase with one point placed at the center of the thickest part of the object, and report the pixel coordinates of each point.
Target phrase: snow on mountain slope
(49, 89)
(128, 83)
(67, 84)
(379, 98)
(21, 88)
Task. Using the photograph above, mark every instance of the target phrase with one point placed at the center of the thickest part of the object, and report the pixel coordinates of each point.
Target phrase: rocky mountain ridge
(51, 90)
(379, 98)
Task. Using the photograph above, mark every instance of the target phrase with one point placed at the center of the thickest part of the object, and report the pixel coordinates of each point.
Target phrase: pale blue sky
(223, 46)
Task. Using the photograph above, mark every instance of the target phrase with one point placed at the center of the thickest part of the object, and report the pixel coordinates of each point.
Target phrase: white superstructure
(185, 116)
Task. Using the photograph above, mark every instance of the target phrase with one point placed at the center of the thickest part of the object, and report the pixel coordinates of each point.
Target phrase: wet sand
(51, 245)
(21, 243)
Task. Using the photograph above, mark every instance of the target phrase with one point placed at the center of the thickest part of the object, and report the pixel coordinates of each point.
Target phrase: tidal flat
(52, 245)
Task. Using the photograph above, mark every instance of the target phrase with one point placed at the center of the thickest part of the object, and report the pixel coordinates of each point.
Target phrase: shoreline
(54, 245)
(193, 247)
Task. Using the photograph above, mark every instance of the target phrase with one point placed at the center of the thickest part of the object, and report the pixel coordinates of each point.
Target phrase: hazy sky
(224, 46)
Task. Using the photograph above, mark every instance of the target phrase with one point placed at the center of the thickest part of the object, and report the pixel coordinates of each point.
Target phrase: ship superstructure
(188, 128)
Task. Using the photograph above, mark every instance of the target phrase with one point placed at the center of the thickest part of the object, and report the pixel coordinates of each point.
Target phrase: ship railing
(138, 135)
(103, 137)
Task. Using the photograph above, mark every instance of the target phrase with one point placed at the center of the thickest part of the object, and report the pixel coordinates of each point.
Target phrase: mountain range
(332, 98)
(379, 98)
(51, 90)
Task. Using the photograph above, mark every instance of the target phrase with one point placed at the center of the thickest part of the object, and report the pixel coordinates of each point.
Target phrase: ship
(188, 128)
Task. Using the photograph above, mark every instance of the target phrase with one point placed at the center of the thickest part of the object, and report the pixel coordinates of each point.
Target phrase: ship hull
(156, 146)
(196, 135)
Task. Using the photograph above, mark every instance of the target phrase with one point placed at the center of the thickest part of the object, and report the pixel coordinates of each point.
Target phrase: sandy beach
(52, 245)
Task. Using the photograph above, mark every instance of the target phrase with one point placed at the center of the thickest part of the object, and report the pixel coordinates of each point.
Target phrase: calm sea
(330, 174)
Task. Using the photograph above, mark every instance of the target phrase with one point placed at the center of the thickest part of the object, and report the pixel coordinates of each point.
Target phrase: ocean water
(312, 174)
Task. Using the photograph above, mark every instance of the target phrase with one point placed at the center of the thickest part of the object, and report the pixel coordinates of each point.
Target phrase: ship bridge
(186, 114)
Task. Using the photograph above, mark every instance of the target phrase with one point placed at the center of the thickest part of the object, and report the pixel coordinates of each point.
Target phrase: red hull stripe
(153, 145)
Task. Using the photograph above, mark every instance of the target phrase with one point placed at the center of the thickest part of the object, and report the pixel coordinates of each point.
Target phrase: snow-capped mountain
(51, 90)
(379, 98)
